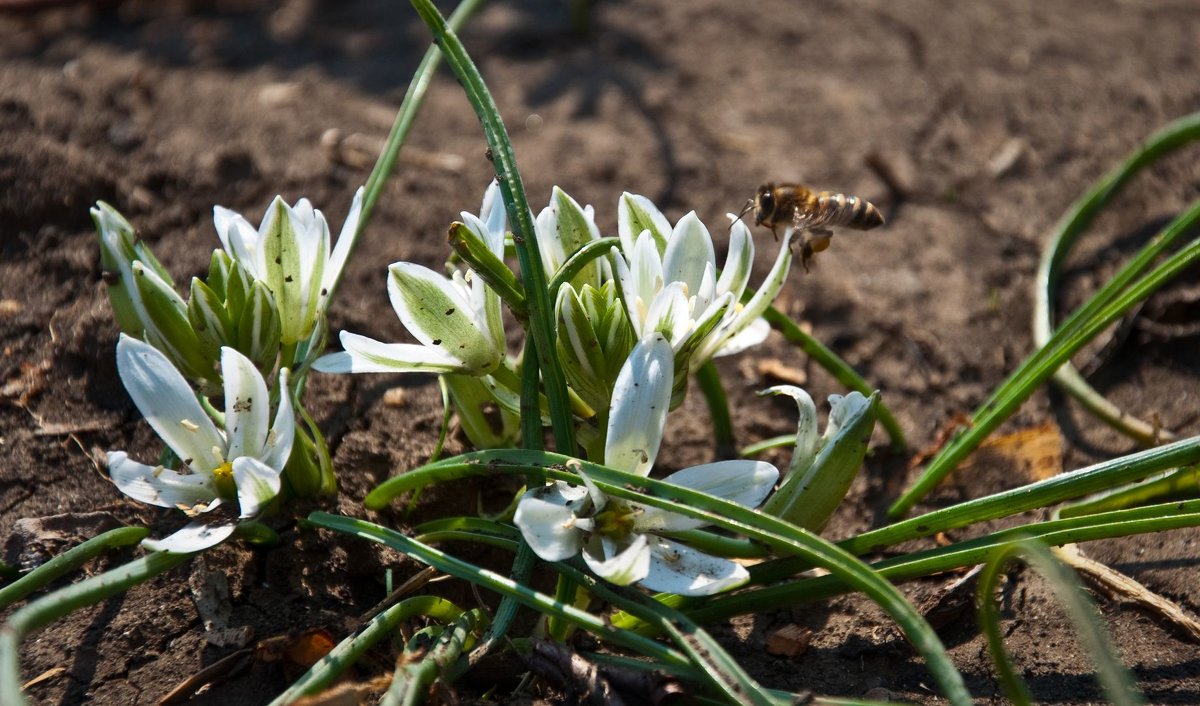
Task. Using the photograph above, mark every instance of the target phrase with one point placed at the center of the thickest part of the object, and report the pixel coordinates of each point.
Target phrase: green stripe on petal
(636, 214)
(257, 484)
(438, 315)
(366, 355)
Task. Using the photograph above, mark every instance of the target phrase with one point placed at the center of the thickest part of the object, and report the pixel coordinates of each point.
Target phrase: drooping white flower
(621, 540)
(241, 463)
(457, 320)
(291, 252)
(670, 285)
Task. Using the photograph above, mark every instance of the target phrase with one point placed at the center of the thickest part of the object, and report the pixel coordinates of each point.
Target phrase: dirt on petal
(972, 126)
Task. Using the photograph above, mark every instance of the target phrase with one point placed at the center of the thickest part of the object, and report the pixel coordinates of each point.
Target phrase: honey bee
(810, 213)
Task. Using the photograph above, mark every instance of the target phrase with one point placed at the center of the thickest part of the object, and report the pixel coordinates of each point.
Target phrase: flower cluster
(652, 279)
(259, 313)
(624, 541)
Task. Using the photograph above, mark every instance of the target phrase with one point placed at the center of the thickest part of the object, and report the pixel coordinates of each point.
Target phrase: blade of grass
(781, 536)
(709, 381)
(493, 582)
(1074, 334)
(327, 669)
(70, 560)
(410, 106)
(1112, 674)
(1121, 523)
(53, 606)
(541, 308)
(1066, 232)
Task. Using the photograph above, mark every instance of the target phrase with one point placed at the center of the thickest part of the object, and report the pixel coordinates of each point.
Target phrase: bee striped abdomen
(842, 210)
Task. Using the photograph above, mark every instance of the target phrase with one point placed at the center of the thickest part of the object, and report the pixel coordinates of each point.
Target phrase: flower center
(223, 478)
(616, 521)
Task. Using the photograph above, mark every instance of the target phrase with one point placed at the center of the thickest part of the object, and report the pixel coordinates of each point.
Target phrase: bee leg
(819, 239)
(812, 242)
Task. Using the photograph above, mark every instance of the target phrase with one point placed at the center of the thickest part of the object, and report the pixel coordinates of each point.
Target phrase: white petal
(238, 237)
(770, 287)
(646, 268)
(247, 405)
(640, 399)
(842, 410)
(744, 482)
(278, 446)
(341, 251)
(257, 484)
(805, 449)
(159, 486)
(492, 212)
(194, 537)
(670, 314)
(739, 261)
(679, 569)
(366, 355)
(688, 252)
(167, 402)
(623, 567)
(548, 526)
(749, 336)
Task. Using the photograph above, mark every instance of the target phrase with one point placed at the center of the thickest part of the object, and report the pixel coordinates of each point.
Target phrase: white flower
(621, 540)
(456, 320)
(290, 252)
(241, 463)
(670, 285)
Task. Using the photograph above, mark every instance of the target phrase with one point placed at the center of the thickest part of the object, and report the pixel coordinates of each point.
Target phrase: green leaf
(484, 263)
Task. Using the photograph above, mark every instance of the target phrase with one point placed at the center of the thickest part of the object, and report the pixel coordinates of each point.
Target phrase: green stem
(836, 367)
(1122, 523)
(541, 310)
(1036, 369)
(580, 259)
(330, 667)
(531, 411)
(49, 608)
(494, 582)
(411, 682)
(410, 106)
(718, 409)
(1118, 683)
(507, 611)
(779, 535)
(69, 560)
(1068, 229)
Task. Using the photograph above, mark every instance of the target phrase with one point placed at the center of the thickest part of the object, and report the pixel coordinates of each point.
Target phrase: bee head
(764, 203)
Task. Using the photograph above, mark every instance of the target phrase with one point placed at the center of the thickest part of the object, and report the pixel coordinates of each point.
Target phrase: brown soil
(165, 109)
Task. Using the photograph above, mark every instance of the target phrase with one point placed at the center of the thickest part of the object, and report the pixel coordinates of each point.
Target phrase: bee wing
(806, 219)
